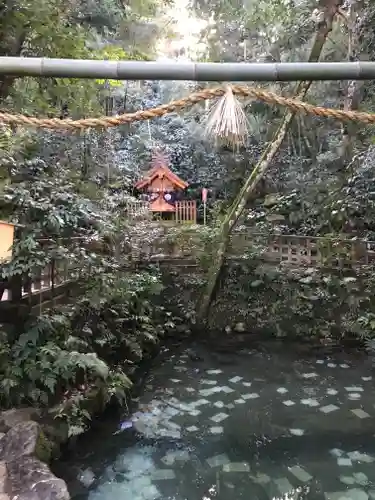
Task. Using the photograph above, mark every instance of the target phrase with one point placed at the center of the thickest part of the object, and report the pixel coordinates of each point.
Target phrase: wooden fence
(52, 283)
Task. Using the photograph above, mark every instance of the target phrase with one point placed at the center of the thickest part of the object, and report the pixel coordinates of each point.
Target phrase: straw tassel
(227, 122)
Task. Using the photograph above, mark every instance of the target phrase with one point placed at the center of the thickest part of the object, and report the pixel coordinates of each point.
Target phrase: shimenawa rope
(147, 114)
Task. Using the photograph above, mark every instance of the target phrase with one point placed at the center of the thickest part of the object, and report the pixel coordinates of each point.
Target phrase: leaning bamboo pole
(330, 9)
(213, 72)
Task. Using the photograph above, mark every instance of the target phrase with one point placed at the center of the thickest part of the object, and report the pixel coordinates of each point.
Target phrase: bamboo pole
(147, 70)
(249, 187)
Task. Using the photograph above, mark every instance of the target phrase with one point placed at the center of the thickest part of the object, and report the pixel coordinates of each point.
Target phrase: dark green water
(270, 425)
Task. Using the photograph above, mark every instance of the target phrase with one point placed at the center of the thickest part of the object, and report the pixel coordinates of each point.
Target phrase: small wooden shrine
(164, 191)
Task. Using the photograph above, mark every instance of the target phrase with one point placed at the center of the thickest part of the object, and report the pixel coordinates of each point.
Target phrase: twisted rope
(147, 114)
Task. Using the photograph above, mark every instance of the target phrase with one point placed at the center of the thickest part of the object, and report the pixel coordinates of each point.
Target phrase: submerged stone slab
(289, 403)
(218, 460)
(236, 379)
(216, 429)
(329, 408)
(358, 412)
(357, 456)
(163, 474)
(297, 432)
(347, 480)
(300, 473)
(332, 392)
(261, 478)
(282, 390)
(283, 485)
(344, 462)
(237, 467)
(219, 417)
(310, 402)
(354, 396)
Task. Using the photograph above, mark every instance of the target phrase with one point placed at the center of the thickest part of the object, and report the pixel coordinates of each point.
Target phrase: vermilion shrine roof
(160, 169)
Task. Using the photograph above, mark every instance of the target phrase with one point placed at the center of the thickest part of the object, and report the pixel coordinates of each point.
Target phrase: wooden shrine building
(164, 192)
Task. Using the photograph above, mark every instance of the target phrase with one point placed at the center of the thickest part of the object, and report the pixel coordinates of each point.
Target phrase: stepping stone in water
(332, 392)
(309, 375)
(192, 428)
(320, 361)
(200, 402)
(236, 467)
(163, 474)
(216, 430)
(283, 485)
(194, 413)
(366, 379)
(328, 408)
(347, 479)
(190, 389)
(354, 396)
(360, 413)
(300, 473)
(344, 365)
(282, 390)
(219, 404)
(357, 456)
(289, 403)
(236, 379)
(218, 461)
(214, 372)
(344, 462)
(297, 432)
(261, 478)
(355, 494)
(253, 395)
(336, 452)
(231, 406)
(354, 389)
(360, 478)
(238, 402)
(208, 382)
(310, 402)
(226, 389)
(219, 417)
(175, 380)
(246, 384)
(331, 365)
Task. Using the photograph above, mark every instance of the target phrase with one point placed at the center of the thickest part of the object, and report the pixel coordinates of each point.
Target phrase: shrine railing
(294, 250)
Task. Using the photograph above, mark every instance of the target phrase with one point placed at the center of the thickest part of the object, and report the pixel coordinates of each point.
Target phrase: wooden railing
(288, 249)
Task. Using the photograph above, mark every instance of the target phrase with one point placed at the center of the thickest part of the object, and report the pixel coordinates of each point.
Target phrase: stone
(239, 327)
(10, 418)
(25, 438)
(31, 479)
(3, 477)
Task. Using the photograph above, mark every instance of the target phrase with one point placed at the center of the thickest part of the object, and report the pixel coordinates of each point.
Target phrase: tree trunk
(326, 15)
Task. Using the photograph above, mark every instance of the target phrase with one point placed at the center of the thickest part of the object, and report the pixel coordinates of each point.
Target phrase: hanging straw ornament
(227, 122)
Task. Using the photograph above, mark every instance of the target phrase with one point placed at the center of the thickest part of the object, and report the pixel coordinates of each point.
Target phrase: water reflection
(268, 427)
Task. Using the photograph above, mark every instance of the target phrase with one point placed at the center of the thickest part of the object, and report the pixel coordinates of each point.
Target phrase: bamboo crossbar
(154, 70)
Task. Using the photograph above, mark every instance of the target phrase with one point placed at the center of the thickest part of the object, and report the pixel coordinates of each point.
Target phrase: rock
(10, 418)
(3, 478)
(239, 327)
(31, 479)
(23, 439)
(4, 496)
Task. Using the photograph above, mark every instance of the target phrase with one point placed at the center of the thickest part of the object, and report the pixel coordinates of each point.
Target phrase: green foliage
(308, 304)
(86, 352)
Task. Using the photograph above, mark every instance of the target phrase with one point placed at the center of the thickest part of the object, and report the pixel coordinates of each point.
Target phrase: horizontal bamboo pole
(145, 70)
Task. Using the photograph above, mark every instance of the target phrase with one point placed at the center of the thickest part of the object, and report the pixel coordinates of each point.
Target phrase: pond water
(270, 424)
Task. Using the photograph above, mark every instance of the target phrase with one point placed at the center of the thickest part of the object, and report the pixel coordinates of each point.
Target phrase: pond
(266, 424)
